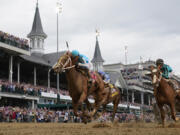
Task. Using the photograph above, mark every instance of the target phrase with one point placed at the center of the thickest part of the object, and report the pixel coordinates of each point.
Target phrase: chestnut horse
(164, 93)
(78, 84)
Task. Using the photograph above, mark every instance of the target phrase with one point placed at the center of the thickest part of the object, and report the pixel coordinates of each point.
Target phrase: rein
(159, 80)
(69, 61)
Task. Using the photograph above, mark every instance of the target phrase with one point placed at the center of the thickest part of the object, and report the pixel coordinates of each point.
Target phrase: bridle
(68, 61)
(156, 80)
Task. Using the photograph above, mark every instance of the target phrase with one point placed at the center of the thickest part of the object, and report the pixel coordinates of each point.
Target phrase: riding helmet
(75, 53)
(159, 62)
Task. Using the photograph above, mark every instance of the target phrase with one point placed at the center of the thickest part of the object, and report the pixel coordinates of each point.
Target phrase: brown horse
(78, 85)
(112, 95)
(164, 93)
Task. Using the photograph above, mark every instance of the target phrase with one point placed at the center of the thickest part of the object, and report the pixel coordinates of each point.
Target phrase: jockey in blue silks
(166, 69)
(83, 62)
(105, 76)
(106, 79)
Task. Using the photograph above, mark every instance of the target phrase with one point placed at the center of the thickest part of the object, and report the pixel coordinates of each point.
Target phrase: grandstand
(26, 81)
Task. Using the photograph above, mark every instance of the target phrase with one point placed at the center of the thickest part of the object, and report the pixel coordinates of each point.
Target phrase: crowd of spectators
(128, 117)
(14, 41)
(29, 89)
(17, 114)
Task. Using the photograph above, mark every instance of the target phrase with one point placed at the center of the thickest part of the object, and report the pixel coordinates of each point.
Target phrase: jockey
(166, 69)
(104, 76)
(106, 79)
(83, 62)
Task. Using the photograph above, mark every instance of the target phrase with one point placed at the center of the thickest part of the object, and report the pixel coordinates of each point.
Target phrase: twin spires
(97, 59)
(37, 34)
(37, 29)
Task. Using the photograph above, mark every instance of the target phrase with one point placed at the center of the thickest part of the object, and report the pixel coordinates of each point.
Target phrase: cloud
(149, 28)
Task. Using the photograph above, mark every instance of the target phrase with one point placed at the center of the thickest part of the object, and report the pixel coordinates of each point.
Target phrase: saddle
(82, 71)
(173, 83)
(90, 74)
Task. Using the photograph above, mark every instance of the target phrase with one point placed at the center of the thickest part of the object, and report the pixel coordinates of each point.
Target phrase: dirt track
(89, 129)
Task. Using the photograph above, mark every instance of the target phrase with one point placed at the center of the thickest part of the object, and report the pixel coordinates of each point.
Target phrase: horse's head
(64, 62)
(156, 75)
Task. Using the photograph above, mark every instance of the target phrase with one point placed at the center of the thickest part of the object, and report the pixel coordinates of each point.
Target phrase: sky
(149, 28)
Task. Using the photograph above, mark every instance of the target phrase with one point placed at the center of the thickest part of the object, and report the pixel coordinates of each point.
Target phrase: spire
(97, 53)
(37, 29)
(37, 4)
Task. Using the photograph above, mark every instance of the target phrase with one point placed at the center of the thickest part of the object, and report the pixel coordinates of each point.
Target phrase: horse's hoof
(84, 120)
(177, 119)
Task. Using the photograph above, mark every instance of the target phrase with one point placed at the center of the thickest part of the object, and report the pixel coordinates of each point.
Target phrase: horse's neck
(71, 75)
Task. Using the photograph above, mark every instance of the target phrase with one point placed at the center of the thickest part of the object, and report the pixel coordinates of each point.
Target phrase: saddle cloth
(93, 75)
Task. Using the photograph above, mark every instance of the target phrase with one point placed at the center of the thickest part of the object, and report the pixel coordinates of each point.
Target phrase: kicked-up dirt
(89, 129)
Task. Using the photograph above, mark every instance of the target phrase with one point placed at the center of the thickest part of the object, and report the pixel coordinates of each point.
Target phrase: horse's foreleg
(162, 114)
(83, 98)
(75, 108)
(173, 112)
(102, 113)
(96, 106)
(104, 109)
(89, 105)
(115, 106)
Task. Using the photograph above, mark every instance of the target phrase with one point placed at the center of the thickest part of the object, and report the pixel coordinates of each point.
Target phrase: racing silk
(106, 78)
(166, 69)
(83, 59)
(105, 75)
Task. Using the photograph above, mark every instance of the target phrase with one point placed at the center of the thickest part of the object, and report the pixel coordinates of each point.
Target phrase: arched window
(38, 43)
(32, 43)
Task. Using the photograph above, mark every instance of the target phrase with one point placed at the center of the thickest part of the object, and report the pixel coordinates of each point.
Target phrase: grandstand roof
(47, 59)
(97, 53)
(37, 29)
(35, 59)
(52, 58)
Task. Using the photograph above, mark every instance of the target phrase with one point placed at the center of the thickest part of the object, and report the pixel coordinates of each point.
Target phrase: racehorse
(78, 85)
(164, 93)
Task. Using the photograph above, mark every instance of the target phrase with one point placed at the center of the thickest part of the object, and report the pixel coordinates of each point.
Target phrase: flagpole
(126, 76)
(125, 55)
(58, 10)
